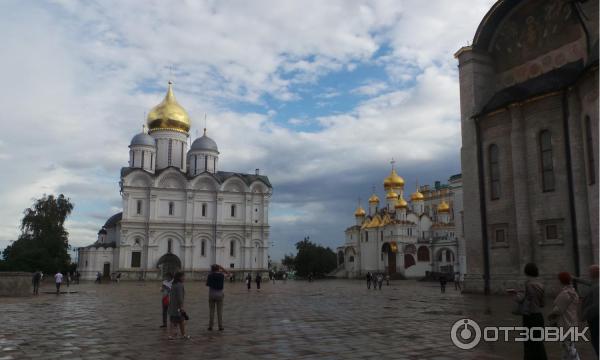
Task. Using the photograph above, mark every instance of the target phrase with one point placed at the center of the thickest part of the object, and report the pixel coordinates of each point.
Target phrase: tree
(288, 261)
(314, 259)
(43, 243)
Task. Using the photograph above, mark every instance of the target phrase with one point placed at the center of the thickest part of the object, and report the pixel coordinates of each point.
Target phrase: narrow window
(181, 156)
(143, 152)
(500, 236)
(367, 237)
(382, 236)
(203, 248)
(214, 164)
(169, 245)
(138, 209)
(205, 163)
(169, 152)
(132, 158)
(195, 164)
(151, 160)
(136, 259)
(546, 160)
(232, 210)
(171, 208)
(203, 210)
(589, 144)
(232, 248)
(551, 232)
(494, 172)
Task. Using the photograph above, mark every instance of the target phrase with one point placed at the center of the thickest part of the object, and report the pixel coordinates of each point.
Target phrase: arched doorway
(391, 249)
(168, 263)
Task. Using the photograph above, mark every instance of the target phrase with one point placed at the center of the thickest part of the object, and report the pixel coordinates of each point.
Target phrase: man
(215, 281)
(443, 283)
(369, 280)
(58, 278)
(457, 281)
(589, 305)
(37, 277)
(165, 289)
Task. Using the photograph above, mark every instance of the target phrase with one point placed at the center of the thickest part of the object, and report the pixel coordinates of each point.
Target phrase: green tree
(288, 261)
(314, 259)
(43, 243)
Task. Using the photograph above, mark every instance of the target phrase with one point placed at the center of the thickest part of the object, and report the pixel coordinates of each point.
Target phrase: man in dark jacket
(215, 281)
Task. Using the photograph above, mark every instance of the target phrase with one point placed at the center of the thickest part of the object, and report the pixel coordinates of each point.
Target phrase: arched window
(195, 164)
(143, 152)
(182, 156)
(409, 261)
(205, 163)
(132, 158)
(151, 160)
(169, 246)
(423, 253)
(351, 259)
(203, 248)
(449, 256)
(589, 144)
(232, 210)
(170, 152)
(171, 208)
(366, 236)
(494, 171)
(203, 210)
(138, 207)
(232, 248)
(546, 160)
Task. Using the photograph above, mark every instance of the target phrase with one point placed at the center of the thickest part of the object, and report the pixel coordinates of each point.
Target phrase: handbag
(521, 307)
(165, 300)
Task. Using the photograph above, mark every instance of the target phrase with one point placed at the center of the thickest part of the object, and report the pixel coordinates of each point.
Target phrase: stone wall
(15, 283)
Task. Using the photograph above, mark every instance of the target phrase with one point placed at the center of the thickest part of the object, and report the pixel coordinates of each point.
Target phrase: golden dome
(393, 181)
(168, 115)
(360, 211)
(443, 207)
(401, 204)
(391, 195)
(373, 199)
(417, 195)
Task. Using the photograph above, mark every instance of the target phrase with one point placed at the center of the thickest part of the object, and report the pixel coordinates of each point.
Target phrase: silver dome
(143, 139)
(204, 143)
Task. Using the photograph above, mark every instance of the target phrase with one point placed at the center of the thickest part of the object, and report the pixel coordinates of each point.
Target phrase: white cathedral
(407, 239)
(179, 211)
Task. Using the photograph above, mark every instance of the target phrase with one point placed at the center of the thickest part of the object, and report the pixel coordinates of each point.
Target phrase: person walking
(98, 278)
(530, 303)
(58, 278)
(258, 281)
(165, 290)
(249, 281)
(35, 280)
(379, 280)
(369, 277)
(564, 314)
(387, 279)
(443, 282)
(457, 281)
(589, 304)
(177, 314)
(215, 282)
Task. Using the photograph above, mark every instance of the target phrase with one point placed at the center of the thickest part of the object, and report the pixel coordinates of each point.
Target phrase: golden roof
(401, 204)
(443, 207)
(168, 115)
(417, 195)
(360, 211)
(393, 181)
(391, 195)
(373, 199)
(375, 222)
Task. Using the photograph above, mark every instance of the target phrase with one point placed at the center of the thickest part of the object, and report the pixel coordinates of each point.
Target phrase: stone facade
(529, 110)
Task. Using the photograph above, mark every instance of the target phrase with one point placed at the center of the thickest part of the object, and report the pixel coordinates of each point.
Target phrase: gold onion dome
(168, 115)
(391, 195)
(401, 204)
(373, 199)
(417, 195)
(393, 181)
(360, 211)
(443, 207)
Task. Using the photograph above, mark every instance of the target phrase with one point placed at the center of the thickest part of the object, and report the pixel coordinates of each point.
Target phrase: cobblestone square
(329, 319)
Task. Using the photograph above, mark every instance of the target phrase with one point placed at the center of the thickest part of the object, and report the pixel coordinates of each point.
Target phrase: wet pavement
(329, 319)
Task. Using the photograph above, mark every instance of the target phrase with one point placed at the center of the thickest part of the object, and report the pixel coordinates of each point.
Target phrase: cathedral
(179, 211)
(406, 238)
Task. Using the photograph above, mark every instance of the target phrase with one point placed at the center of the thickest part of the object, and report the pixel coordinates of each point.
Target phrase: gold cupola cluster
(393, 181)
(401, 204)
(417, 196)
(360, 212)
(374, 199)
(168, 115)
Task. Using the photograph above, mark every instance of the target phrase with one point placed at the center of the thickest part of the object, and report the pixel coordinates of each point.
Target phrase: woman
(564, 314)
(177, 313)
(165, 289)
(531, 301)
(249, 281)
(258, 281)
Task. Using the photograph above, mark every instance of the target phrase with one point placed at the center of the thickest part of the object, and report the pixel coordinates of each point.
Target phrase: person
(369, 277)
(258, 281)
(177, 314)
(564, 314)
(249, 281)
(37, 277)
(68, 278)
(118, 277)
(457, 281)
(531, 301)
(380, 280)
(165, 290)
(387, 279)
(589, 304)
(274, 277)
(98, 278)
(58, 278)
(284, 277)
(443, 282)
(215, 281)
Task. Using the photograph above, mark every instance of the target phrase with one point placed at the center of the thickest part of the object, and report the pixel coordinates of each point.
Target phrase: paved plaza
(329, 319)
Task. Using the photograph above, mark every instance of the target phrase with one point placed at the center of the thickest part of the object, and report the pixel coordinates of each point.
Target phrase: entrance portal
(391, 249)
(168, 263)
(106, 271)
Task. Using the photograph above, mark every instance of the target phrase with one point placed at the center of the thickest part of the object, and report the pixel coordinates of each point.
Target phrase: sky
(320, 95)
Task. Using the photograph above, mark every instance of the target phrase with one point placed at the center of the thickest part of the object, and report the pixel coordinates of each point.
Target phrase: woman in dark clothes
(177, 313)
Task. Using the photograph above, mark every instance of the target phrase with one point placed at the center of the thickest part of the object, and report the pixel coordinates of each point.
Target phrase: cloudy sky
(319, 95)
